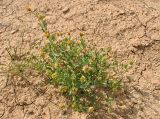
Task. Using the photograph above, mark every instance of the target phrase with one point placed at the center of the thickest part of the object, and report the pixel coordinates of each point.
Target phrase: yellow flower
(73, 77)
(90, 109)
(54, 75)
(81, 34)
(46, 34)
(40, 17)
(74, 91)
(42, 53)
(83, 79)
(61, 105)
(86, 69)
(63, 89)
(74, 105)
(68, 42)
(59, 34)
(55, 65)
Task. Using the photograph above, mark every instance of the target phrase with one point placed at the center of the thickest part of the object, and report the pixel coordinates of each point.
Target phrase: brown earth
(131, 27)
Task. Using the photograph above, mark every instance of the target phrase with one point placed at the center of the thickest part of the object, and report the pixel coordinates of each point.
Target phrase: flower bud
(74, 91)
(54, 75)
(81, 34)
(86, 69)
(46, 34)
(40, 17)
(55, 65)
(90, 109)
(68, 42)
(83, 79)
(63, 89)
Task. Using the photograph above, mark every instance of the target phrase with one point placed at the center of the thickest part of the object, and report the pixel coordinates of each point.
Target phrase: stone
(65, 10)
(14, 31)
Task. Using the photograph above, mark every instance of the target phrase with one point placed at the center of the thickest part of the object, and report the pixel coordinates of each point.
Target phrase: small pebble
(14, 31)
(65, 10)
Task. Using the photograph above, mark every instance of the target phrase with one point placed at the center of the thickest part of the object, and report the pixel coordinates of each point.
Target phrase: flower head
(40, 17)
(86, 69)
(90, 109)
(55, 65)
(42, 53)
(74, 91)
(59, 34)
(46, 34)
(68, 42)
(63, 89)
(83, 79)
(81, 34)
(54, 75)
(62, 105)
(74, 105)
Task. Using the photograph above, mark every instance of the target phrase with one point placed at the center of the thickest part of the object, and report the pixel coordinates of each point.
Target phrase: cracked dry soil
(131, 27)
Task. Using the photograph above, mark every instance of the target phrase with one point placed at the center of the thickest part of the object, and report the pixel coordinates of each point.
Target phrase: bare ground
(131, 27)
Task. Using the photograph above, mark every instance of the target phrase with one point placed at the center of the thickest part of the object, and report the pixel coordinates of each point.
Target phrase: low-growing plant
(85, 75)
(18, 64)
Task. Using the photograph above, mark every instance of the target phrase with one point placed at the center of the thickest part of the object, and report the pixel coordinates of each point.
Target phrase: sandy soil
(131, 27)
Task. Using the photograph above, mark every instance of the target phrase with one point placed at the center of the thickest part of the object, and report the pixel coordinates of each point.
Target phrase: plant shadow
(122, 108)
